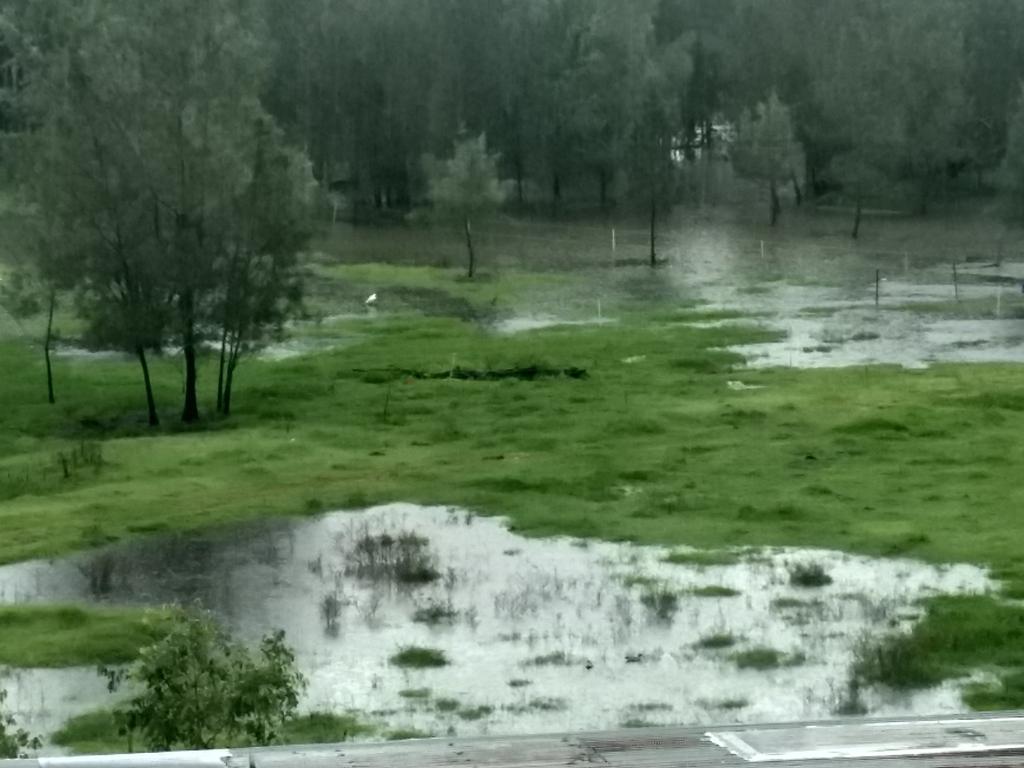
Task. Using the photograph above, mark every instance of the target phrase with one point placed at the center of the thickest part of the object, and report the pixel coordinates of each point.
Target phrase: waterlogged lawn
(654, 446)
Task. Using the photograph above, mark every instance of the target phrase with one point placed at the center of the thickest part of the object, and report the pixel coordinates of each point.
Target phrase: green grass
(416, 657)
(406, 734)
(96, 733)
(70, 636)
(940, 446)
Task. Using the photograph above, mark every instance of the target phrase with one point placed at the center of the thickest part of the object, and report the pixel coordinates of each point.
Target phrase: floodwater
(541, 635)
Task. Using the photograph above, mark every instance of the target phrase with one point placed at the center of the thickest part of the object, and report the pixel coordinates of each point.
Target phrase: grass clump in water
(809, 576)
(435, 613)
(417, 657)
(703, 558)
(553, 659)
(404, 558)
(763, 658)
(661, 601)
(715, 590)
(414, 693)
(447, 705)
(718, 641)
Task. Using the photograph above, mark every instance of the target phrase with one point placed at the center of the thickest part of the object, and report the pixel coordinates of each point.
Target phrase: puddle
(526, 323)
(512, 601)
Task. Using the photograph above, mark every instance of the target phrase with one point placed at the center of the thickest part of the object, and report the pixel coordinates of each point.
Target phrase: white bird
(371, 300)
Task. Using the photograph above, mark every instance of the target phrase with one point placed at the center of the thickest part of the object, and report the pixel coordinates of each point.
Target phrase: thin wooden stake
(956, 283)
(878, 286)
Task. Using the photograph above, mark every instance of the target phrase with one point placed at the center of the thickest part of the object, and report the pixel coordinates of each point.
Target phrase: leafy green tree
(256, 274)
(766, 149)
(156, 187)
(199, 690)
(465, 187)
(14, 741)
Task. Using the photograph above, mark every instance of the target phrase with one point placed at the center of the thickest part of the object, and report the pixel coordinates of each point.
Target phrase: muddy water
(512, 600)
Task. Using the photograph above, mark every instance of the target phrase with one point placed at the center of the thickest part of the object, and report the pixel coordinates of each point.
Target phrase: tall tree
(466, 186)
(767, 150)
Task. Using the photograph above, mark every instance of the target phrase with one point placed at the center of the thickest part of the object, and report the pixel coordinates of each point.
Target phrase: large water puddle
(540, 634)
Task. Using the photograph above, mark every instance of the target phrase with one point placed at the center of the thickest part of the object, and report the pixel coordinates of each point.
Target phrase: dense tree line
(170, 151)
(591, 95)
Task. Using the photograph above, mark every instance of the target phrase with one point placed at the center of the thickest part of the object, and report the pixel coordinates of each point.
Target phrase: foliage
(767, 148)
(198, 689)
(14, 741)
(466, 184)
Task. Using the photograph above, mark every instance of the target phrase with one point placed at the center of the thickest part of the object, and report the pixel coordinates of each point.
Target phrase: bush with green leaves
(199, 689)
(14, 741)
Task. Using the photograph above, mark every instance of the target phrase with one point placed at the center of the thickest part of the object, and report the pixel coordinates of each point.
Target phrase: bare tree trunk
(469, 248)
(856, 218)
(220, 369)
(154, 419)
(46, 348)
(190, 413)
(520, 197)
(796, 189)
(776, 206)
(236, 350)
(654, 216)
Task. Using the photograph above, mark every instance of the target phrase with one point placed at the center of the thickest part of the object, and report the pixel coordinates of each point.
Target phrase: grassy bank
(97, 733)
(63, 636)
(653, 446)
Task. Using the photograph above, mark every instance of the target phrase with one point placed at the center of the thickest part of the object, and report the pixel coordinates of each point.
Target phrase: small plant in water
(809, 575)
(661, 601)
(519, 683)
(416, 657)
(330, 612)
(767, 658)
(415, 693)
(435, 612)
(717, 640)
(553, 659)
(404, 558)
(715, 590)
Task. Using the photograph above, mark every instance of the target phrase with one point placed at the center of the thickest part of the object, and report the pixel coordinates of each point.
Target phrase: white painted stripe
(917, 740)
(216, 758)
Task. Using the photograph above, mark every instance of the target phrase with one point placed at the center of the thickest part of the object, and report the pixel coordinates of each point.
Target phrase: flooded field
(505, 634)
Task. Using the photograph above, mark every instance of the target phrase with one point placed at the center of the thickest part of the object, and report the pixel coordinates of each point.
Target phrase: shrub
(14, 741)
(199, 689)
(895, 661)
